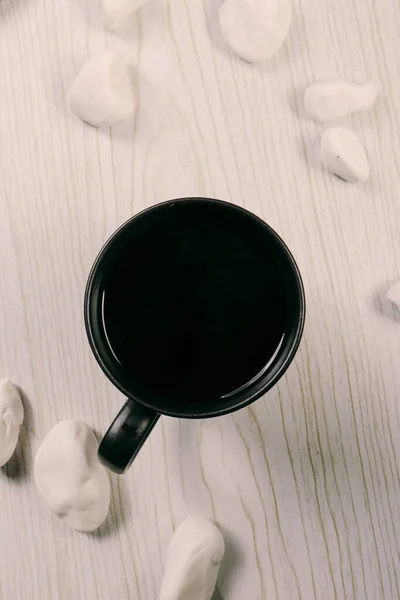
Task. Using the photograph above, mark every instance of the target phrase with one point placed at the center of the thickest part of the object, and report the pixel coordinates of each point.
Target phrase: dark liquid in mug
(195, 307)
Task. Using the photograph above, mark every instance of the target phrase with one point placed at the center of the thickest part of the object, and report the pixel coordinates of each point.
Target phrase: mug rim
(251, 391)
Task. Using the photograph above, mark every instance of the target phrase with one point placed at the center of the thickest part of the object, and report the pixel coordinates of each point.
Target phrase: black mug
(194, 308)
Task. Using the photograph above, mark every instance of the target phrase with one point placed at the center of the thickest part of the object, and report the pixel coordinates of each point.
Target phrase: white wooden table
(305, 484)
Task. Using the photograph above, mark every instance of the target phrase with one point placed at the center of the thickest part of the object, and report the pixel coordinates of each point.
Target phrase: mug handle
(126, 435)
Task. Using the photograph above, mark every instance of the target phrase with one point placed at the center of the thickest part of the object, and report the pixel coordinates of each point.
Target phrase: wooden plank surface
(305, 484)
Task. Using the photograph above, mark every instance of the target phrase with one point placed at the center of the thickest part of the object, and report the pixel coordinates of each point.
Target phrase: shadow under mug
(144, 406)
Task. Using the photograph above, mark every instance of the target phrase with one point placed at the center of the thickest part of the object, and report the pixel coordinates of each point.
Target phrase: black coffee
(195, 305)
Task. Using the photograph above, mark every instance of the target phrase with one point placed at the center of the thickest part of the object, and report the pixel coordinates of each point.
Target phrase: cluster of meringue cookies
(76, 487)
(254, 29)
(102, 92)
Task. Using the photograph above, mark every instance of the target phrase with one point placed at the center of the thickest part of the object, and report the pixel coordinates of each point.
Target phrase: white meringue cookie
(11, 418)
(343, 154)
(101, 94)
(70, 478)
(334, 99)
(255, 29)
(194, 556)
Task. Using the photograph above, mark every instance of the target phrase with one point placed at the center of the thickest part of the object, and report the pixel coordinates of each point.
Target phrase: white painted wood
(305, 484)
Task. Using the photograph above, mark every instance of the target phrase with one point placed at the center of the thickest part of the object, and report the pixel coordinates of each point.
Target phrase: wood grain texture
(305, 484)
